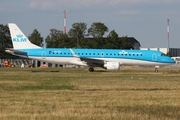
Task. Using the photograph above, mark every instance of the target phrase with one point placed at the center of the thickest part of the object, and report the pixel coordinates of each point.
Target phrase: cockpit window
(163, 54)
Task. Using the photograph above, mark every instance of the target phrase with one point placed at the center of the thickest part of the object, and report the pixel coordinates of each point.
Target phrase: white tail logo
(19, 40)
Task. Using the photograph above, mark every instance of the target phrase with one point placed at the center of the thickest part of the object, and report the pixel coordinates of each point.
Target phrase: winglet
(74, 54)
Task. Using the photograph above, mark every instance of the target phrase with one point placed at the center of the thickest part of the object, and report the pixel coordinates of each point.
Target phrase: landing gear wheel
(91, 69)
(156, 68)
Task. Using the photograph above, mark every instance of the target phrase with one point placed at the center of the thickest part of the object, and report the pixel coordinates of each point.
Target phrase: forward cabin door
(154, 57)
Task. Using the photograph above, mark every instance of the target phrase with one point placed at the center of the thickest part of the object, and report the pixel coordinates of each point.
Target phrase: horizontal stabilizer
(20, 53)
(15, 52)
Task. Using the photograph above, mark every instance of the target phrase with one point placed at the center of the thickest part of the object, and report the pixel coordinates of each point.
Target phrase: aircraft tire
(91, 69)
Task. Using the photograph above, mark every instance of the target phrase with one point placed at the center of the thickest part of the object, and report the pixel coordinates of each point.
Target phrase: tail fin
(19, 40)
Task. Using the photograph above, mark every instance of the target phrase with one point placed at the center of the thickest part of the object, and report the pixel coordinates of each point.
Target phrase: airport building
(136, 45)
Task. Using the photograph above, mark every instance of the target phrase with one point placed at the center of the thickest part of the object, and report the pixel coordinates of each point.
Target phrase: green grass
(71, 93)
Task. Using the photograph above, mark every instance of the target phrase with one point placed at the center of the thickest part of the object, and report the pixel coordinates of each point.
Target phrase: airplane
(109, 59)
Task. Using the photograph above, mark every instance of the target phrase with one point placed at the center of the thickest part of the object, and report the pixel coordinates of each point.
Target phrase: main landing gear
(91, 69)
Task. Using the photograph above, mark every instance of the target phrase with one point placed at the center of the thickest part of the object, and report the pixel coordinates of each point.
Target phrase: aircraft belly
(72, 60)
(64, 60)
(133, 62)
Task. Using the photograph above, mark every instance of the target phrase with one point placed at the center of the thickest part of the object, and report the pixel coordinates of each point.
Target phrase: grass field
(71, 93)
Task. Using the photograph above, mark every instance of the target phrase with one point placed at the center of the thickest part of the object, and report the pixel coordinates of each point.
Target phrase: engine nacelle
(112, 65)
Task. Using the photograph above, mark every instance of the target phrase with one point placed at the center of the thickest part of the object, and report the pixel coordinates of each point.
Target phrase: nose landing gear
(156, 68)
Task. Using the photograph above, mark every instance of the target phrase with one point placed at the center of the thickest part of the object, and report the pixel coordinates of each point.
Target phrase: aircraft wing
(89, 61)
(93, 62)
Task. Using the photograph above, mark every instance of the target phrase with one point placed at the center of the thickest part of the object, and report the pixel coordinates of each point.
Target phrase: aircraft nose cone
(172, 60)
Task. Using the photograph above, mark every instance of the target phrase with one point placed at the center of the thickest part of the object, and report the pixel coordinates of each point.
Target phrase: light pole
(168, 33)
(65, 20)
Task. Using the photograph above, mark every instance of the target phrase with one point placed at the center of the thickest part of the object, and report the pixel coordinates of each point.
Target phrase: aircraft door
(154, 57)
(43, 54)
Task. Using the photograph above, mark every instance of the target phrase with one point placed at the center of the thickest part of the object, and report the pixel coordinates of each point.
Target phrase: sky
(145, 20)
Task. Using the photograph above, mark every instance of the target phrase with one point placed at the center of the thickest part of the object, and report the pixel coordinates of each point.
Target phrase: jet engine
(112, 65)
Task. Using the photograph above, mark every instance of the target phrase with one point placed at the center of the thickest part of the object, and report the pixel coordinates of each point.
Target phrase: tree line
(77, 37)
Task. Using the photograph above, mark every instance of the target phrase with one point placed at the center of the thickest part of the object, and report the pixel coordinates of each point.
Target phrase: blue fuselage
(126, 57)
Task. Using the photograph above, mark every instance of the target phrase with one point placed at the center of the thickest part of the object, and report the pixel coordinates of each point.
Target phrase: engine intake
(112, 65)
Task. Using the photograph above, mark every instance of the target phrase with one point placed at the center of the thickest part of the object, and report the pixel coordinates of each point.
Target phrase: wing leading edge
(88, 61)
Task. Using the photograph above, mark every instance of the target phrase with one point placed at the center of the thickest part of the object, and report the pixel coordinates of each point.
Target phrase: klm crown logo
(19, 38)
(123, 52)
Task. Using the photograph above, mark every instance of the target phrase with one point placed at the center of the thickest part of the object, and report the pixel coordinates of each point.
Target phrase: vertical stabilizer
(19, 40)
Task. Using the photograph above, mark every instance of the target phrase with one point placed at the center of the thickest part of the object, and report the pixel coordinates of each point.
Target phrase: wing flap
(78, 62)
(93, 62)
